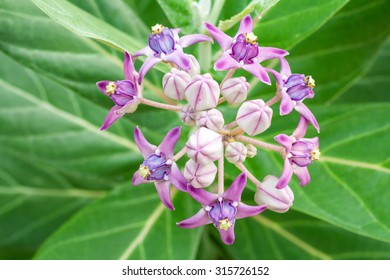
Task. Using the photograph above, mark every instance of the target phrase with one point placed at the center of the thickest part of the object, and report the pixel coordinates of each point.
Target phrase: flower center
(224, 224)
(144, 171)
(250, 38)
(315, 154)
(310, 82)
(111, 88)
(157, 29)
(155, 167)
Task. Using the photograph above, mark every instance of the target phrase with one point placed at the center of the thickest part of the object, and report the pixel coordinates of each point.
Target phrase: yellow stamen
(250, 38)
(157, 29)
(310, 82)
(144, 171)
(224, 224)
(111, 88)
(315, 154)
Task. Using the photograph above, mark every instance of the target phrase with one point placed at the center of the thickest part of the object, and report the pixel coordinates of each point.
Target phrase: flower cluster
(195, 96)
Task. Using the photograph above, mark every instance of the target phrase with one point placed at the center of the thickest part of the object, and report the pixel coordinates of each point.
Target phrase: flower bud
(194, 66)
(235, 90)
(235, 152)
(199, 175)
(277, 200)
(252, 151)
(204, 146)
(188, 115)
(254, 117)
(212, 119)
(202, 92)
(175, 82)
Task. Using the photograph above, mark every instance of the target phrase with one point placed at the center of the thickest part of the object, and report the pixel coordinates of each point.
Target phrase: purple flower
(159, 166)
(294, 88)
(300, 152)
(126, 94)
(165, 45)
(242, 51)
(221, 210)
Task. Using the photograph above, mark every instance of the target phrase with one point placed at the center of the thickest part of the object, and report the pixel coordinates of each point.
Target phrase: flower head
(243, 51)
(158, 165)
(294, 88)
(165, 45)
(221, 210)
(126, 94)
(300, 152)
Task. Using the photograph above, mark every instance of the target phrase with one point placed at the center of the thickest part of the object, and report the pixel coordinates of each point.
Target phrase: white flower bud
(254, 117)
(199, 175)
(175, 82)
(235, 90)
(235, 152)
(204, 146)
(252, 151)
(194, 65)
(188, 115)
(212, 119)
(277, 200)
(202, 92)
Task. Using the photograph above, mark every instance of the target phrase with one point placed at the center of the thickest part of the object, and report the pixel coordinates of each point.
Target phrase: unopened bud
(175, 82)
(188, 115)
(212, 119)
(252, 151)
(277, 200)
(200, 175)
(204, 146)
(194, 66)
(254, 117)
(202, 92)
(235, 90)
(235, 152)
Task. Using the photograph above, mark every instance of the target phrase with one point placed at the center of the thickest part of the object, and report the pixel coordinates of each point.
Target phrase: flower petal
(111, 117)
(167, 146)
(244, 210)
(278, 78)
(199, 219)
(227, 236)
(286, 104)
(246, 25)
(258, 71)
(144, 146)
(305, 112)
(300, 131)
(147, 51)
(177, 179)
(137, 179)
(302, 174)
(284, 67)
(223, 39)
(266, 53)
(189, 40)
(164, 192)
(286, 175)
(226, 62)
(284, 140)
(129, 107)
(128, 68)
(180, 59)
(235, 190)
(202, 196)
(102, 86)
(148, 64)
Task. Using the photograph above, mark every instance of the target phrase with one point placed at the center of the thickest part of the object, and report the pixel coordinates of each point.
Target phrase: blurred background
(65, 186)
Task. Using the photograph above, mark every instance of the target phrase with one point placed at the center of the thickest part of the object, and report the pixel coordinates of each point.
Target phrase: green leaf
(130, 223)
(179, 13)
(84, 24)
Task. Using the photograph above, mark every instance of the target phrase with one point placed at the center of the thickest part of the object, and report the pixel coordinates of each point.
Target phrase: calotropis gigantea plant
(197, 96)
